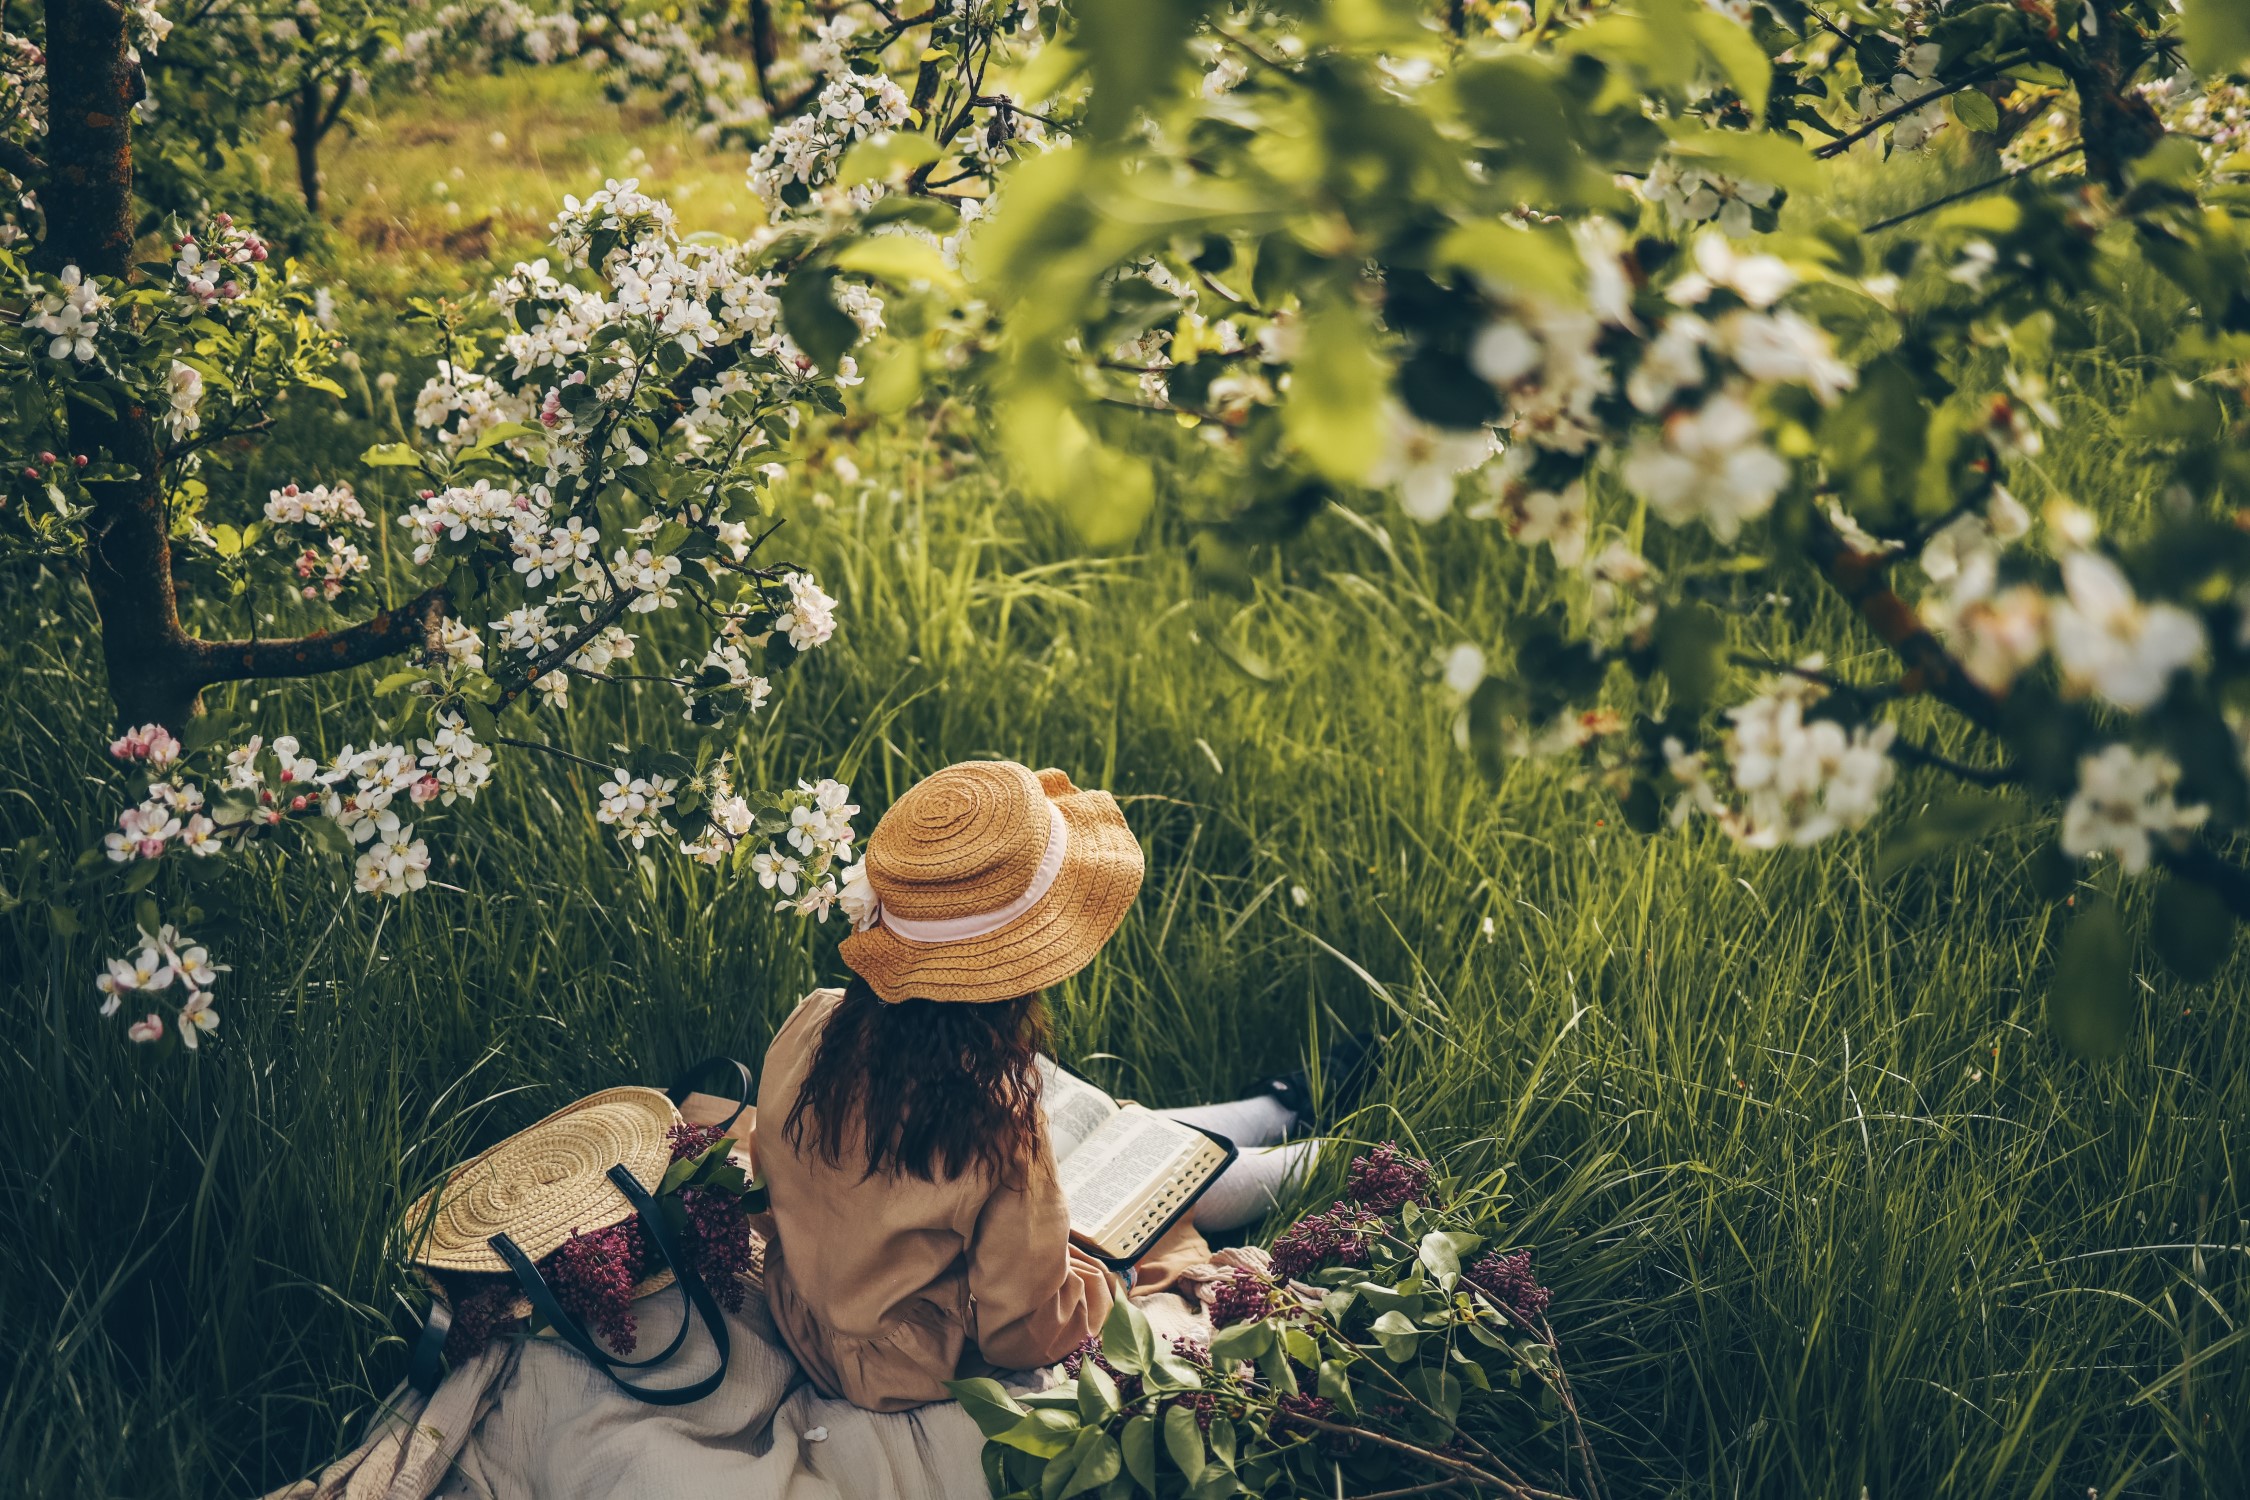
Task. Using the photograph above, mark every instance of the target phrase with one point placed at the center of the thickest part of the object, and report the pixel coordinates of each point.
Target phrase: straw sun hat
(547, 1182)
(989, 881)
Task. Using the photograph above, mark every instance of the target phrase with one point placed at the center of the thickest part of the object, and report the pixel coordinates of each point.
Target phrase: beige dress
(886, 1287)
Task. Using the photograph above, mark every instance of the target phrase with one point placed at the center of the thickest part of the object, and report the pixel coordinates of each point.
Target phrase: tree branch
(1845, 142)
(1922, 755)
(413, 624)
(1973, 189)
(1930, 668)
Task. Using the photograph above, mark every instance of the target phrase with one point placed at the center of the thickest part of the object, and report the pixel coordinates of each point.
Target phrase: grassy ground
(1827, 1211)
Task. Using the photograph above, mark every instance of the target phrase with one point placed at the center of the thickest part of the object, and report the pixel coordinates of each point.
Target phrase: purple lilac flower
(1388, 1178)
(1342, 1236)
(593, 1276)
(1507, 1280)
(1240, 1296)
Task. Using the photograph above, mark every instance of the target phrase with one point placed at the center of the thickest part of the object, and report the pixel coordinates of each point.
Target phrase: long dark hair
(936, 1089)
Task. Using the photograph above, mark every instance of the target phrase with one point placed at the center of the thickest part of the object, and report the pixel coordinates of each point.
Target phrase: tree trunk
(92, 86)
(306, 129)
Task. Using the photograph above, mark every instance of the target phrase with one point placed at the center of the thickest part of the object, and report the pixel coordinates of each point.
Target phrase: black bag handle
(684, 1082)
(694, 1295)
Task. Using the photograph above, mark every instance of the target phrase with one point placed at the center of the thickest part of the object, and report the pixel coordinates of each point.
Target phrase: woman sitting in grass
(918, 1230)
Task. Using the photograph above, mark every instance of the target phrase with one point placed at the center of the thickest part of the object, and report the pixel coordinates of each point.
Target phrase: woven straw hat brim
(1060, 935)
(544, 1183)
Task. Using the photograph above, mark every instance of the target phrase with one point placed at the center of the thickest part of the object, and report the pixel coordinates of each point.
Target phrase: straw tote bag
(589, 1165)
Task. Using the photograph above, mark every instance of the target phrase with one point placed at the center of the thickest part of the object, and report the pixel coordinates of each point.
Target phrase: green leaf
(1873, 442)
(2192, 930)
(1335, 411)
(899, 259)
(327, 834)
(1184, 1441)
(2217, 35)
(1442, 1251)
(1300, 1346)
(1689, 641)
(1137, 1444)
(2090, 1003)
(1127, 1342)
(808, 309)
(1440, 1389)
(1335, 1384)
(391, 456)
(1946, 823)
(1400, 1339)
(1279, 1373)
(1169, 1372)
(1976, 111)
(507, 432)
(1761, 156)
(1537, 260)
(1738, 55)
(1242, 1341)
(878, 156)
(1042, 1434)
(988, 1404)
(1097, 1465)
(1097, 1394)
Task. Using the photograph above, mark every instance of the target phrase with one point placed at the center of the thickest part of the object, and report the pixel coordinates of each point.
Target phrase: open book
(1127, 1172)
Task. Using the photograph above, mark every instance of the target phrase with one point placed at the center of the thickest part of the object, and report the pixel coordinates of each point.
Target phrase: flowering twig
(1845, 142)
(1975, 188)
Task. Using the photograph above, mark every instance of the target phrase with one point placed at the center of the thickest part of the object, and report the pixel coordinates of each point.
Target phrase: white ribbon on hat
(976, 924)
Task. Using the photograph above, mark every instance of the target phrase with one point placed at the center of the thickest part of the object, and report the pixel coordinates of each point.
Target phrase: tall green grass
(1827, 1210)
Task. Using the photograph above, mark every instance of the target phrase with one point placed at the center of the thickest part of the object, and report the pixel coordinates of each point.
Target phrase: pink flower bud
(45, 457)
(299, 803)
(151, 848)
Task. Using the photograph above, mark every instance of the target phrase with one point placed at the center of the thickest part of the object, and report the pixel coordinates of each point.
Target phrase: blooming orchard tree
(599, 464)
(1552, 268)
(1546, 267)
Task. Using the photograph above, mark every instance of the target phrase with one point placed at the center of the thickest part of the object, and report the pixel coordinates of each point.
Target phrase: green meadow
(1826, 1208)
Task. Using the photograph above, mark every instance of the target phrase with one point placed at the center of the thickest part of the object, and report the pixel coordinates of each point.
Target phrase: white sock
(1248, 1190)
(1261, 1120)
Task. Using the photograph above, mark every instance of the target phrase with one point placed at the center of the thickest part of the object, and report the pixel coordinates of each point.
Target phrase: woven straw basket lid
(975, 840)
(545, 1183)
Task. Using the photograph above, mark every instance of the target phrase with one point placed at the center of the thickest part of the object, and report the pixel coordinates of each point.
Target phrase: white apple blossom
(183, 390)
(1691, 194)
(2124, 805)
(2108, 642)
(1424, 463)
(1757, 278)
(455, 761)
(458, 644)
(809, 618)
(1799, 778)
(322, 506)
(71, 315)
(394, 864)
(151, 744)
(1710, 464)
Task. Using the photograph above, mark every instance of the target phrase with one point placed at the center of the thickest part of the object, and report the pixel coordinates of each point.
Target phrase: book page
(1075, 1109)
(1130, 1174)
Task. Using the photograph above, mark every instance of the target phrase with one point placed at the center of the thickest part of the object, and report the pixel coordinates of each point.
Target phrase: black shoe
(1346, 1069)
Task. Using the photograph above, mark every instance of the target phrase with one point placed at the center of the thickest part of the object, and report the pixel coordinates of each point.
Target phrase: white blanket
(531, 1420)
